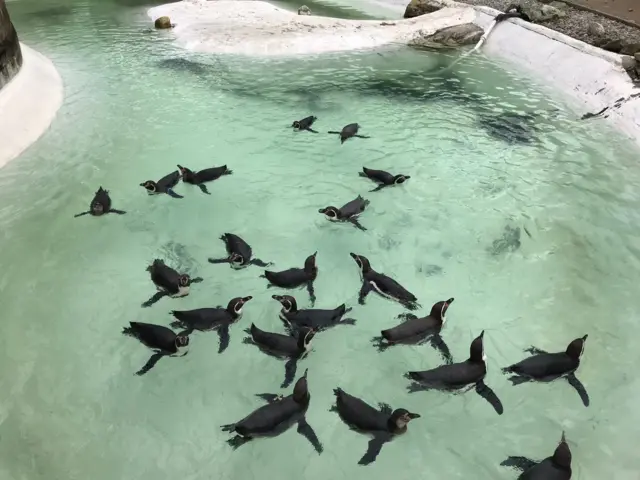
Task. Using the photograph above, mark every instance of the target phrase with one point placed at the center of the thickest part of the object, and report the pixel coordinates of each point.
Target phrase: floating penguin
(304, 124)
(276, 417)
(206, 319)
(293, 348)
(418, 330)
(100, 205)
(556, 467)
(348, 212)
(349, 131)
(200, 177)
(239, 253)
(383, 424)
(384, 179)
(296, 277)
(382, 284)
(164, 185)
(546, 367)
(168, 282)
(459, 375)
(310, 318)
(161, 339)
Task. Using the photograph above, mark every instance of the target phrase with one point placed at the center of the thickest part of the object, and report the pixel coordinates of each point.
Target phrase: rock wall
(10, 53)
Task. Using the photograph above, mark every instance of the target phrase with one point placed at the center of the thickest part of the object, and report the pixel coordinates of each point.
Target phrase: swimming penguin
(296, 277)
(276, 417)
(206, 319)
(239, 253)
(200, 177)
(310, 318)
(384, 179)
(348, 212)
(556, 467)
(418, 330)
(161, 339)
(164, 185)
(293, 348)
(546, 367)
(168, 282)
(349, 131)
(383, 424)
(304, 124)
(100, 205)
(459, 375)
(382, 284)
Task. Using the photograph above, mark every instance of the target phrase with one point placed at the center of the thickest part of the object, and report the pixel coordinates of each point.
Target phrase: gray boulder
(450, 37)
(596, 29)
(304, 10)
(421, 7)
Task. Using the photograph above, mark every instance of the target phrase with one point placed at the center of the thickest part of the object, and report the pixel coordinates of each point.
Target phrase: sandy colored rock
(421, 7)
(596, 29)
(163, 22)
(450, 37)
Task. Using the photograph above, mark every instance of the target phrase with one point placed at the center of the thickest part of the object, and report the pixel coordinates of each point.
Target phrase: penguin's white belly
(182, 292)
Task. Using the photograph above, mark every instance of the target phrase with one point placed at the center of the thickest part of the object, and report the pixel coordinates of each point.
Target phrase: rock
(304, 10)
(637, 56)
(451, 37)
(551, 13)
(421, 7)
(612, 46)
(163, 22)
(558, 5)
(595, 29)
(10, 52)
(628, 63)
(630, 48)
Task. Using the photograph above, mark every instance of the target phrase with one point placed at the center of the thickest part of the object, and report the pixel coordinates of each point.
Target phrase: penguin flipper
(356, 223)
(218, 260)
(519, 463)
(385, 408)
(438, 343)
(577, 384)
(489, 395)
(312, 293)
(173, 194)
(81, 214)
(362, 136)
(290, 369)
(364, 291)
(259, 263)
(535, 351)
(223, 333)
(335, 133)
(307, 432)
(203, 187)
(150, 363)
(269, 397)
(155, 298)
(119, 212)
(379, 187)
(309, 129)
(374, 447)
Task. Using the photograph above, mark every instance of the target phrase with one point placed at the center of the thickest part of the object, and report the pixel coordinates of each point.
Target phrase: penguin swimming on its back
(459, 375)
(546, 367)
(168, 282)
(296, 277)
(383, 424)
(349, 131)
(161, 339)
(310, 318)
(384, 179)
(415, 330)
(164, 185)
(556, 467)
(276, 417)
(100, 205)
(348, 212)
(304, 124)
(239, 253)
(200, 177)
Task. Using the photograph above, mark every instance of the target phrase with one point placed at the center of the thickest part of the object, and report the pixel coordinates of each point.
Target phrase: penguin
(348, 212)
(384, 179)
(383, 424)
(239, 253)
(161, 339)
(349, 131)
(418, 330)
(304, 124)
(512, 11)
(200, 177)
(546, 367)
(204, 319)
(164, 185)
(100, 205)
(168, 282)
(459, 375)
(310, 318)
(296, 277)
(276, 417)
(382, 284)
(292, 347)
(556, 467)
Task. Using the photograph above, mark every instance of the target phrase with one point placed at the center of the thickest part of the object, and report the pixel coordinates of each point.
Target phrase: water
(135, 107)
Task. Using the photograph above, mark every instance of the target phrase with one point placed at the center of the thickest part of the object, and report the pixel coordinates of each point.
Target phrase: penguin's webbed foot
(535, 351)
(248, 341)
(407, 316)
(380, 343)
(417, 387)
(237, 441)
(204, 189)
(347, 321)
(385, 408)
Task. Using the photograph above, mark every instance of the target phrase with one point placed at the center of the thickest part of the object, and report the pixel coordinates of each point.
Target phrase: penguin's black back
(271, 419)
(359, 414)
(546, 365)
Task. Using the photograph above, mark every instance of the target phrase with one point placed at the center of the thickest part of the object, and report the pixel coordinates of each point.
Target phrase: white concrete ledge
(28, 104)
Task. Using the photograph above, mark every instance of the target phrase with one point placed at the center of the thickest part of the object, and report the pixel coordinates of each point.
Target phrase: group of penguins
(301, 325)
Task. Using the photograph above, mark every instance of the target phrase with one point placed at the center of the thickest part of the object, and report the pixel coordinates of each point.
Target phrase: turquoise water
(70, 406)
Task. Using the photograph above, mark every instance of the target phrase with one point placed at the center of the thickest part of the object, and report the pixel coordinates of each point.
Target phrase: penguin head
(310, 264)
(363, 262)
(181, 341)
(150, 185)
(288, 302)
(401, 417)
(97, 208)
(296, 124)
(562, 454)
(236, 304)
(184, 280)
(301, 389)
(576, 348)
(185, 172)
(477, 349)
(236, 260)
(398, 179)
(439, 309)
(332, 213)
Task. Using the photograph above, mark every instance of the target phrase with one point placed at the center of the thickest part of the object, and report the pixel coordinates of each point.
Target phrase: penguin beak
(321, 210)
(246, 299)
(482, 334)
(143, 185)
(450, 301)
(181, 168)
(413, 415)
(277, 297)
(584, 339)
(354, 256)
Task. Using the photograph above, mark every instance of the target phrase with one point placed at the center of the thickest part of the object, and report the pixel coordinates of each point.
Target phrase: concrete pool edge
(29, 104)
